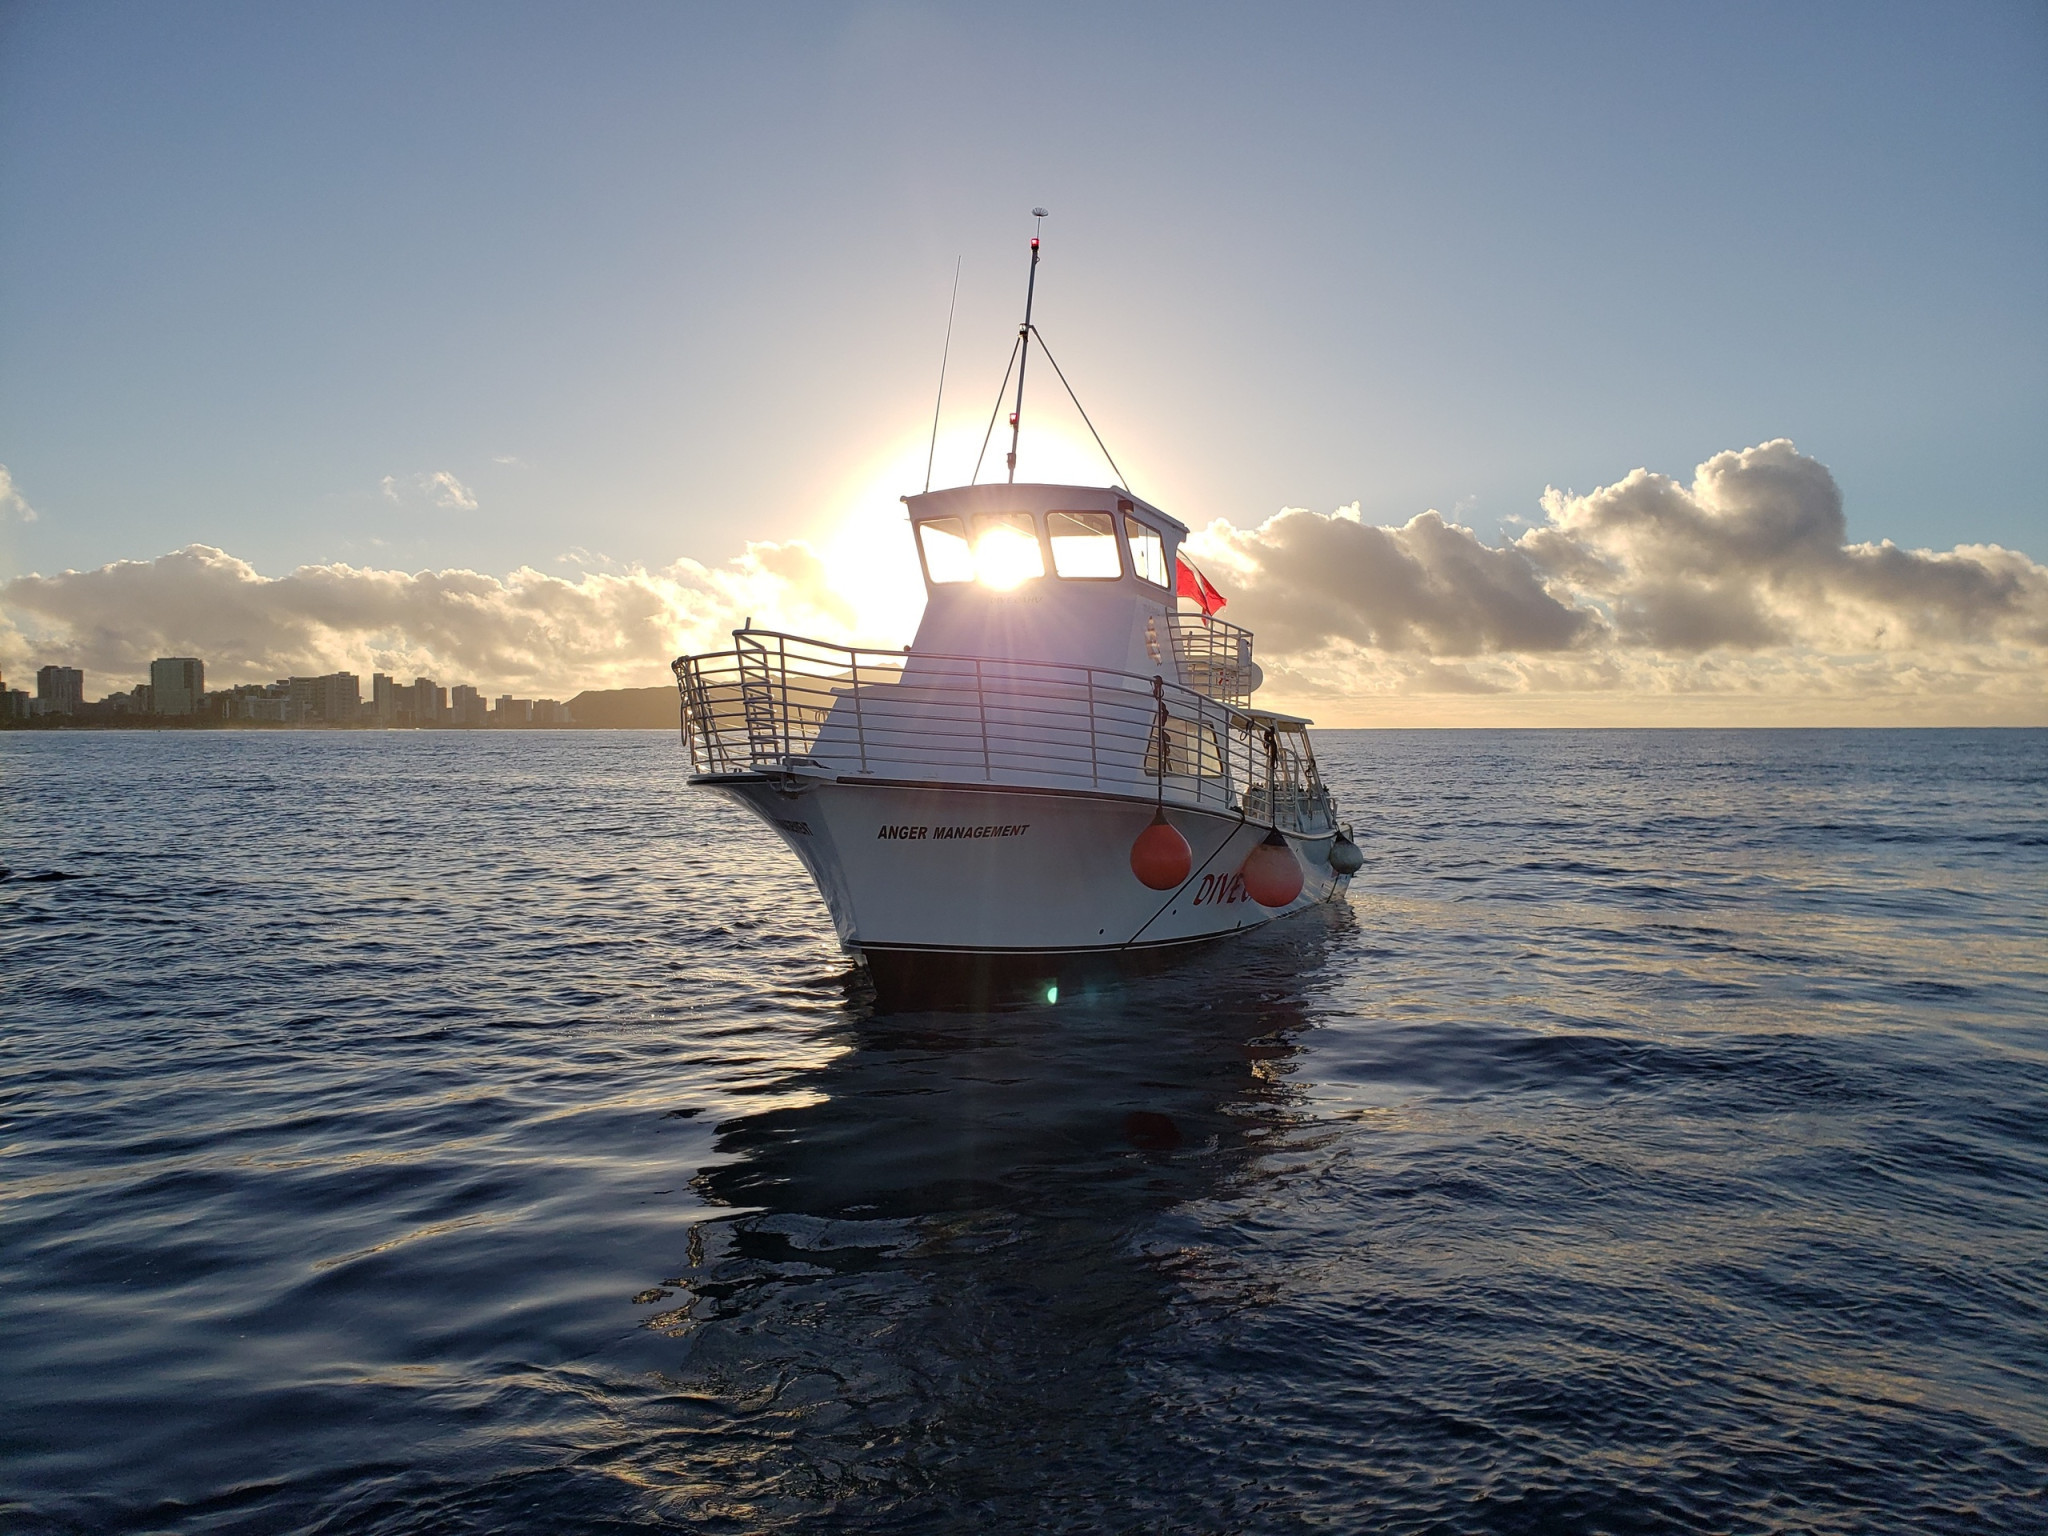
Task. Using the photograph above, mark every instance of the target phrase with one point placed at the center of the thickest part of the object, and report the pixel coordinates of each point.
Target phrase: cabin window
(1083, 545)
(1148, 551)
(946, 556)
(1006, 549)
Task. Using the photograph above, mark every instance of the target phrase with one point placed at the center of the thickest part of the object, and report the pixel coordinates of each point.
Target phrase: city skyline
(176, 692)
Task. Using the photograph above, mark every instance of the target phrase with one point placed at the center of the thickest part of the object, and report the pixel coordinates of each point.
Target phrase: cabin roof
(1038, 497)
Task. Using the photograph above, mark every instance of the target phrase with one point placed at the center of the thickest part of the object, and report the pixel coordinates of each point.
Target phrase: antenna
(948, 352)
(1024, 341)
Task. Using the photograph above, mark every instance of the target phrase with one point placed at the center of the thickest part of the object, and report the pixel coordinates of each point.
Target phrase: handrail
(1209, 655)
(1142, 681)
(778, 702)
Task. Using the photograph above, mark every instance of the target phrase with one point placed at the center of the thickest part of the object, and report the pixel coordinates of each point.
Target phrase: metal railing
(780, 703)
(1211, 657)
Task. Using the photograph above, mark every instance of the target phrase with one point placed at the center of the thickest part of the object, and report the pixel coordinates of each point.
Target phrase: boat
(1060, 779)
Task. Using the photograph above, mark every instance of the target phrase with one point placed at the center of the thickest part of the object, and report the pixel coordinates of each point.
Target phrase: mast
(1024, 343)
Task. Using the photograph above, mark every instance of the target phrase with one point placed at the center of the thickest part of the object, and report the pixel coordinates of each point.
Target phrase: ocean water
(482, 1133)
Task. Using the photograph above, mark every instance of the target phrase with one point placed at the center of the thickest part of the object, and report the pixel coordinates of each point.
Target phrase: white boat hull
(970, 892)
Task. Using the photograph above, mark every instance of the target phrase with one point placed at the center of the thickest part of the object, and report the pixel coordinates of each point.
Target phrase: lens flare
(1003, 557)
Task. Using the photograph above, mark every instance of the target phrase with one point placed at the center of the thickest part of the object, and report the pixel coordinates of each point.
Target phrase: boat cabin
(1081, 575)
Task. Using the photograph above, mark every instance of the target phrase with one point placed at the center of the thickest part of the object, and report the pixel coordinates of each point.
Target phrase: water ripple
(446, 1133)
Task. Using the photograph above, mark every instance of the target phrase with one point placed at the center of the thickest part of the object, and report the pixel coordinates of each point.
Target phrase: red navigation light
(1034, 242)
(1013, 418)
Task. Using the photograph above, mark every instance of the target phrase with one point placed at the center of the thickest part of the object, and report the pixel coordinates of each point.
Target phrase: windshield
(946, 557)
(1083, 545)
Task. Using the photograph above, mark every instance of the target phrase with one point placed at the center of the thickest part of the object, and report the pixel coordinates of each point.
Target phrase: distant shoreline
(183, 724)
(595, 709)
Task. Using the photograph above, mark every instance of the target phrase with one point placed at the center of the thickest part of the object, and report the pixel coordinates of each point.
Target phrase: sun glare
(871, 563)
(1005, 556)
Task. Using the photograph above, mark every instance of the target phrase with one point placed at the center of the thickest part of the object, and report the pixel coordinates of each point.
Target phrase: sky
(533, 342)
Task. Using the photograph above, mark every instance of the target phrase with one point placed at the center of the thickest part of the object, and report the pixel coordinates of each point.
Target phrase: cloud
(1752, 556)
(440, 487)
(529, 631)
(449, 491)
(12, 503)
(1739, 588)
(1427, 588)
(1733, 599)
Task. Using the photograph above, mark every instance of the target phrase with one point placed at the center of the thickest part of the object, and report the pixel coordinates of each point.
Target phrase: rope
(1159, 757)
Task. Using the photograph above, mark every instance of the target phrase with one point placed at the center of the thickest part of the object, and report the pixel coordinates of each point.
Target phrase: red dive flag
(1192, 583)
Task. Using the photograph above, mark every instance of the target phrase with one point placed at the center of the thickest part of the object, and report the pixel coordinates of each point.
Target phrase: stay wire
(943, 357)
(1000, 389)
(1079, 407)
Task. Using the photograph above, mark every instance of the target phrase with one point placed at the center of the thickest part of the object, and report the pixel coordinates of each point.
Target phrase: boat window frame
(1130, 518)
(1116, 543)
(1194, 750)
(918, 526)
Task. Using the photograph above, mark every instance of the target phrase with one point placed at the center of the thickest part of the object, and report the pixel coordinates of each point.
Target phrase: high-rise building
(342, 704)
(429, 701)
(60, 690)
(511, 711)
(336, 699)
(467, 707)
(178, 683)
(383, 699)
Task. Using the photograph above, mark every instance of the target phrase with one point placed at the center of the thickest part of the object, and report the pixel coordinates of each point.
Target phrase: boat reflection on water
(964, 1263)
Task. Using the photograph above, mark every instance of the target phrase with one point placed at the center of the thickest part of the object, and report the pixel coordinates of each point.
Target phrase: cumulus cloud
(1739, 586)
(1753, 555)
(12, 503)
(527, 631)
(1428, 588)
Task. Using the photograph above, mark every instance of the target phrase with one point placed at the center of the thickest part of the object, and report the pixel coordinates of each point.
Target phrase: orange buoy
(1161, 857)
(1272, 874)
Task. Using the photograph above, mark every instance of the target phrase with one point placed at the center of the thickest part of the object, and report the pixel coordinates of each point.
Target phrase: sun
(1004, 557)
